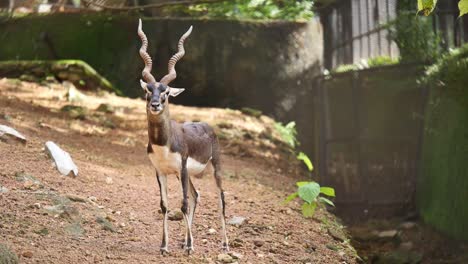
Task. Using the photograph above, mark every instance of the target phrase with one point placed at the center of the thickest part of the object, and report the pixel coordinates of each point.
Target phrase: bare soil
(110, 213)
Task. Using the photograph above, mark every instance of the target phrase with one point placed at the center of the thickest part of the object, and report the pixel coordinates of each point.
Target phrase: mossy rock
(81, 74)
(75, 112)
(251, 112)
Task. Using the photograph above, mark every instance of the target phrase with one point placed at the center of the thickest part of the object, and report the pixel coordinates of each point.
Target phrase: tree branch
(156, 5)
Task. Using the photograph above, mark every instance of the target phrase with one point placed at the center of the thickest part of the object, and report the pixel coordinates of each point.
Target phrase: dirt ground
(110, 213)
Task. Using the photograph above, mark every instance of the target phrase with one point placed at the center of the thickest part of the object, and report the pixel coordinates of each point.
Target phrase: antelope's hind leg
(162, 182)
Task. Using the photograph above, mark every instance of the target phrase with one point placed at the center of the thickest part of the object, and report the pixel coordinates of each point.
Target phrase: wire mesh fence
(358, 29)
(369, 140)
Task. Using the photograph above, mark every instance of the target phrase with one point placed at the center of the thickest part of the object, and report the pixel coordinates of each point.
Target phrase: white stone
(63, 160)
(236, 220)
(6, 130)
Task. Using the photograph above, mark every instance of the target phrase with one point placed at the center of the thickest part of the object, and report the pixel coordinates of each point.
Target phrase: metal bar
(323, 132)
(345, 42)
(369, 43)
(368, 140)
(356, 95)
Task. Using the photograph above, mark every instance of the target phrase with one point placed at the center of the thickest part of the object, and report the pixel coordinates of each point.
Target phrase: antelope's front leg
(188, 244)
(162, 182)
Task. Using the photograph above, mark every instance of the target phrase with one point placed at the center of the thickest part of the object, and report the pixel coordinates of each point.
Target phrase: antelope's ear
(143, 85)
(175, 91)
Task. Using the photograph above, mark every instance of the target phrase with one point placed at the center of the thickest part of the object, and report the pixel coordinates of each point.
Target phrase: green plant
(381, 61)
(250, 9)
(288, 133)
(310, 192)
(415, 37)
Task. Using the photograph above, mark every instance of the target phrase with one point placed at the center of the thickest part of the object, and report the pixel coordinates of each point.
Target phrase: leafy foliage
(288, 133)
(449, 74)
(252, 9)
(463, 6)
(415, 38)
(365, 64)
(427, 6)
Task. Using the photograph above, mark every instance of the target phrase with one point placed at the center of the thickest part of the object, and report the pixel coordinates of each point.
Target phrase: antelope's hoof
(164, 251)
(225, 247)
(189, 250)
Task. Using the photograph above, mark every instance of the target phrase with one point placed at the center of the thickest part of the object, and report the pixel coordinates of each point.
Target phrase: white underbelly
(167, 162)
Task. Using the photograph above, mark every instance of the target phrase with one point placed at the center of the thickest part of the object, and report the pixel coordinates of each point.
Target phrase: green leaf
(290, 197)
(426, 6)
(463, 6)
(328, 191)
(325, 200)
(302, 156)
(308, 209)
(309, 192)
(300, 184)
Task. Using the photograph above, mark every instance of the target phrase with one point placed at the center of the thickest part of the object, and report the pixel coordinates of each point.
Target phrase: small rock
(406, 246)
(122, 225)
(408, 225)
(43, 231)
(106, 108)
(132, 216)
(54, 210)
(109, 180)
(92, 199)
(75, 229)
(387, 234)
(204, 241)
(336, 234)
(73, 95)
(76, 198)
(3, 189)
(225, 258)
(37, 205)
(236, 221)
(236, 243)
(106, 225)
(30, 185)
(110, 218)
(235, 255)
(27, 254)
(211, 231)
(175, 215)
(258, 243)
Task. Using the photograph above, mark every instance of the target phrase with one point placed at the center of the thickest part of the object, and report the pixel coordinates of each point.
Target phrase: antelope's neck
(159, 128)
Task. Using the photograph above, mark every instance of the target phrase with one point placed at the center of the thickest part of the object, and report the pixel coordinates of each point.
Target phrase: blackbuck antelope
(174, 148)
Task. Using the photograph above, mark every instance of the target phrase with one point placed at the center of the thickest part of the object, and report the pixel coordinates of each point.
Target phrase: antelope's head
(157, 93)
